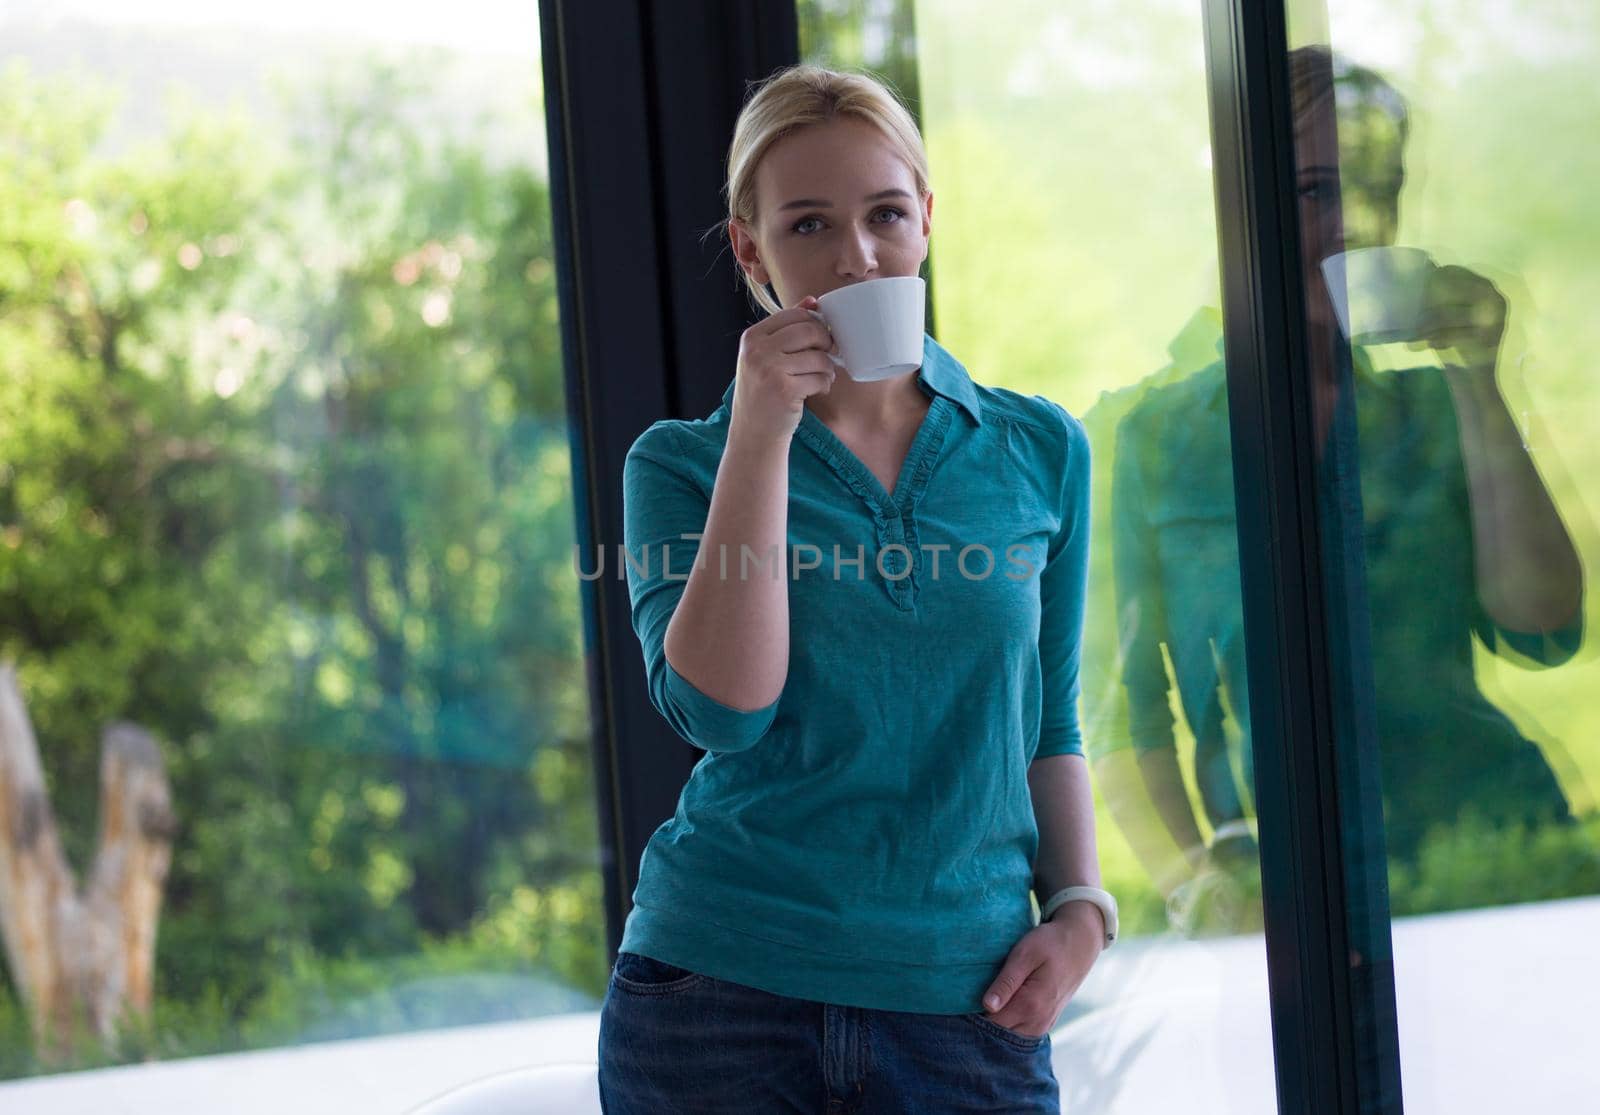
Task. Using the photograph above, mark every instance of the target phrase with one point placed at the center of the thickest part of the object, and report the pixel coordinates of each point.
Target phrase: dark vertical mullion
(640, 103)
(600, 198)
(1333, 1051)
(703, 57)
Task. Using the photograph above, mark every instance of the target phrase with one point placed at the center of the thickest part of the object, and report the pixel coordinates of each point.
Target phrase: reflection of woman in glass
(1460, 537)
(893, 753)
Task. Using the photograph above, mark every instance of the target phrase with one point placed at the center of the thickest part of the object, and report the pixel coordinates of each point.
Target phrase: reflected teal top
(868, 838)
(1173, 540)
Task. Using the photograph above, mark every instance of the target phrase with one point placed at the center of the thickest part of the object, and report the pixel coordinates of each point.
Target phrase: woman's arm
(1058, 776)
(1529, 576)
(1147, 779)
(1163, 783)
(1063, 808)
(729, 636)
(715, 628)
(666, 510)
(1528, 572)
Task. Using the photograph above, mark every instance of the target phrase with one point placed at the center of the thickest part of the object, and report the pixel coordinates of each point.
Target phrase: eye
(898, 213)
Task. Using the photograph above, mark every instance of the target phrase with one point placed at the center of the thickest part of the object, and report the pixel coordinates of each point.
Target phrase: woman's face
(1346, 201)
(835, 205)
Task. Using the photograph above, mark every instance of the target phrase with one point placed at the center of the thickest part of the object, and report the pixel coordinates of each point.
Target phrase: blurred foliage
(477, 976)
(871, 36)
(1472, 864)
(286, 479)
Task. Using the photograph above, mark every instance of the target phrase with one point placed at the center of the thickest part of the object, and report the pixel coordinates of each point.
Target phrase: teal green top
(868, 838)
(1177, 617)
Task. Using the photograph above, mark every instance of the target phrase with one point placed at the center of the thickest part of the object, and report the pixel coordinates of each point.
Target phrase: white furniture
(1495, 1012)
(559, 1089)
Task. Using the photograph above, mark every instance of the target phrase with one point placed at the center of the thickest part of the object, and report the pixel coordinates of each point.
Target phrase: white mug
(878, 325)
(1378, 292)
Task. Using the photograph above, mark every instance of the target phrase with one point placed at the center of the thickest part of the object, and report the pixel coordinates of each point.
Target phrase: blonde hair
(1316, 73)
(796, 97)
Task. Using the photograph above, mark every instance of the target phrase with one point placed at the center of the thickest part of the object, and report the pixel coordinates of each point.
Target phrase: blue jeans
(673, 1040)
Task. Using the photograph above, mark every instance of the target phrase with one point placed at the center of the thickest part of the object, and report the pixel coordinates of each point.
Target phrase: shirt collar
(940, 373)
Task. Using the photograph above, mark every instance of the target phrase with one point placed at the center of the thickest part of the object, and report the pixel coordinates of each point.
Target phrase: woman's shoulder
(1038, 421)
(1011, 406)
(679, 436)
(676, 451)
(1044, 423)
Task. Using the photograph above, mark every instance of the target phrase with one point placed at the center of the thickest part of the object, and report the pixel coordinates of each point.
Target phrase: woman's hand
(1464, 311)
(782, 361)
(1045, 969)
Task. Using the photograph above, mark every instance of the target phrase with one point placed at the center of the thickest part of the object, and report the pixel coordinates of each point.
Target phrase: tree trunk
(81, 958)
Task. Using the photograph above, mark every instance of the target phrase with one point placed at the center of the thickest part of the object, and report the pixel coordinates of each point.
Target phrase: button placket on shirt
(894, 523)
(899, 565)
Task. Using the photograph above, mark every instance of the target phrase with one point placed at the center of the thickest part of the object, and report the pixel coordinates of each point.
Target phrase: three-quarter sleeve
(1141, 607)
(661, 505)
(1063, 588)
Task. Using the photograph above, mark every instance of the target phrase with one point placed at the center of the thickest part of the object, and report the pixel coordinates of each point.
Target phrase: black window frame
(1318, 806)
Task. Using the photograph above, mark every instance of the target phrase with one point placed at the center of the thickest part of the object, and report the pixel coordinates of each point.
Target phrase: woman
(1461, 545)
(879, 653)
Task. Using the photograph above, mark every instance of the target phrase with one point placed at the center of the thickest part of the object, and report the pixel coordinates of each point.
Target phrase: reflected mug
(1378, 292)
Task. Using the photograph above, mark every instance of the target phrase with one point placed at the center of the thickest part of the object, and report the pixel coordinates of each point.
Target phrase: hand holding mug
(1464, 311)
(783, 360)
(1389, 294)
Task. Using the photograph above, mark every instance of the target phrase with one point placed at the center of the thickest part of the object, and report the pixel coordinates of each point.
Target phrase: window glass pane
(293, 703)
(1074, 256)
(1448, 156)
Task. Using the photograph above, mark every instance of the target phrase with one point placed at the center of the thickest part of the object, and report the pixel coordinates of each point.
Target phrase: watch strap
(1101, 898)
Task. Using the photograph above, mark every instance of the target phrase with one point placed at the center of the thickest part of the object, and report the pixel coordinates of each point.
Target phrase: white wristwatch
(1101, 898)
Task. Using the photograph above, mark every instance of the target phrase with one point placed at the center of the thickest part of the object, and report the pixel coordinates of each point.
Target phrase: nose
(857, 259)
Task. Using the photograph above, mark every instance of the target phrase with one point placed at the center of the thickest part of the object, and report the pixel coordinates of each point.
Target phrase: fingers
(797, 322)
(788, 316)
(804, 333)
(1462, 310)
(813, 382)
(790, 356)
(1454, 292)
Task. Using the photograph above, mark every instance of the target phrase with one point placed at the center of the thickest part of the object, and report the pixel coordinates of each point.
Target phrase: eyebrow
(817, 203)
